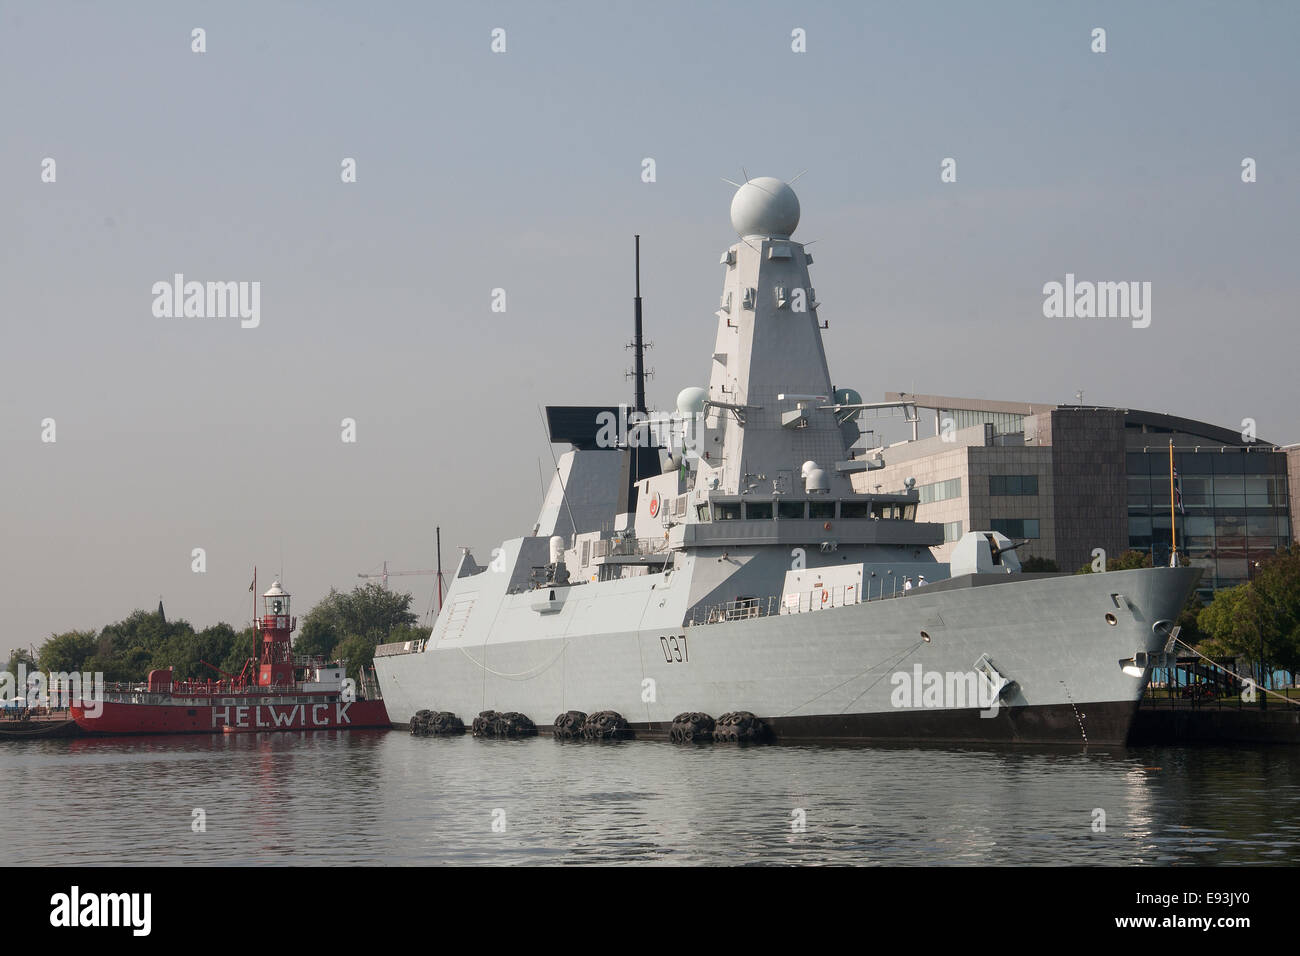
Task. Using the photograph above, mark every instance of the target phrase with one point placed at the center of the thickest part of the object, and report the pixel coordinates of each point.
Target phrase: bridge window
(790, 509)
(855, 509)
(726, 511)
(821, 509)
(758, 510)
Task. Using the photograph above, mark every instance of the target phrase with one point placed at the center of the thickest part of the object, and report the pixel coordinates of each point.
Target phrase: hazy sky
(522, 170)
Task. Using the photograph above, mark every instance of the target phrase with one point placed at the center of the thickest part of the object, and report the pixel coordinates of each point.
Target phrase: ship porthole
(925, 637)
(1111, 619)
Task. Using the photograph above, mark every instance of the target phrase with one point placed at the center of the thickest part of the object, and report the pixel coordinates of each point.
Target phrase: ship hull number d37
(675, 651)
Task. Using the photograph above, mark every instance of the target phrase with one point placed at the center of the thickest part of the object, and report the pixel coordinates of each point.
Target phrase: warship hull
(733, 556)
(890, 669)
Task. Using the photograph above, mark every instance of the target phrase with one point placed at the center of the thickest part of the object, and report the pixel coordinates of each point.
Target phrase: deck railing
(629, 547)
(743, 609)
(401, 647)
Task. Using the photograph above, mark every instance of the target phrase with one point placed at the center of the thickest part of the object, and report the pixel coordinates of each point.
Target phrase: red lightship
(283, 693)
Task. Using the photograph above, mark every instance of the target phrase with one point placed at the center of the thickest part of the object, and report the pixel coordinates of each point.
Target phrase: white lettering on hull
(273, 716)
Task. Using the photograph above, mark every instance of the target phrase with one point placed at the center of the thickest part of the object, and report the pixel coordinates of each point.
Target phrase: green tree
(21, 656)
(242, 646)
(1259, 620)
(1277, 584)
(1036, 564)
(1128, 561)
(128, 649)
(1231, 624)
(1188, 620)
(67, 652)
(357, 651)
(371, 612)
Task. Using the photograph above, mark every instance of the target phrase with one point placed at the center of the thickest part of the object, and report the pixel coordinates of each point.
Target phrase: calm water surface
(388, 798)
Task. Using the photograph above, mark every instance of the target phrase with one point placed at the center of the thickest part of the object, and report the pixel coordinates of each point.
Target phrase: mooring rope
(522, 675)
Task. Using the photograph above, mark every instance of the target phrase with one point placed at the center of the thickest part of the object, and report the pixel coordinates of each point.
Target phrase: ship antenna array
(639, 344)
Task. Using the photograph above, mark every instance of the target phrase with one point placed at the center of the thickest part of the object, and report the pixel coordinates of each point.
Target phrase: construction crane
(384, 575)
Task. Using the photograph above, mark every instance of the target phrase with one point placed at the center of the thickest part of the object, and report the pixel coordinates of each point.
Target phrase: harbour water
(387, 798)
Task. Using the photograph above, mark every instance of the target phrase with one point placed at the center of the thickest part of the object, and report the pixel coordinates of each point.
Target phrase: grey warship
(716, 559)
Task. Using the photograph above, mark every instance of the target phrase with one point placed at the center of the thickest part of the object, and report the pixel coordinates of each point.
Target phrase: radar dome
(848, 396)
(690, 401)
(765, 207)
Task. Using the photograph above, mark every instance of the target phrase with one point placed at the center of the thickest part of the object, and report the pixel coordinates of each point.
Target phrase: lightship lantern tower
(276, 660)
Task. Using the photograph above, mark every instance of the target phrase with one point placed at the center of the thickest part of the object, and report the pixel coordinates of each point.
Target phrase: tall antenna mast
(638, 344)
(439, 533)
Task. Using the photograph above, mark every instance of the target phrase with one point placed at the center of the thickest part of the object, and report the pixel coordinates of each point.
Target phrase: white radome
(765, 207)
(690, 401)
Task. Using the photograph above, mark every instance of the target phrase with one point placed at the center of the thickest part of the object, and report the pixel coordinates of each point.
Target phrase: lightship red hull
(118, 717)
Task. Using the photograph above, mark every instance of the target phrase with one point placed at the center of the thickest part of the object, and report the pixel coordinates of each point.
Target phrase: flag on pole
(1178, 492)
(254, 583)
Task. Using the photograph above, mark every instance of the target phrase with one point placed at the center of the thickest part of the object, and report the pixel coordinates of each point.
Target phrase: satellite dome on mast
(765, 207)
(690, 401)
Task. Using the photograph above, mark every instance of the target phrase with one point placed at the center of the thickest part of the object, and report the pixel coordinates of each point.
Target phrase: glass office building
(1234, 509)
(1075, 479)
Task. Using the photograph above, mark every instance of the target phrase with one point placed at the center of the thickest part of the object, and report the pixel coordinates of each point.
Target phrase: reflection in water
(374, 797)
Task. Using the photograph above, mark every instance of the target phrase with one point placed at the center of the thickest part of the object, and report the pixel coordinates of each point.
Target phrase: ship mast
(638, 343)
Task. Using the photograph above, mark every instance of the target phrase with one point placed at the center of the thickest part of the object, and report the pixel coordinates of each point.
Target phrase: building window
(939, 491)
(1015, 527)
(1013, 484)
(952, 531)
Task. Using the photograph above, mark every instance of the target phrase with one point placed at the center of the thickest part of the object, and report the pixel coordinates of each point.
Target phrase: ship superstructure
(717, 558)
